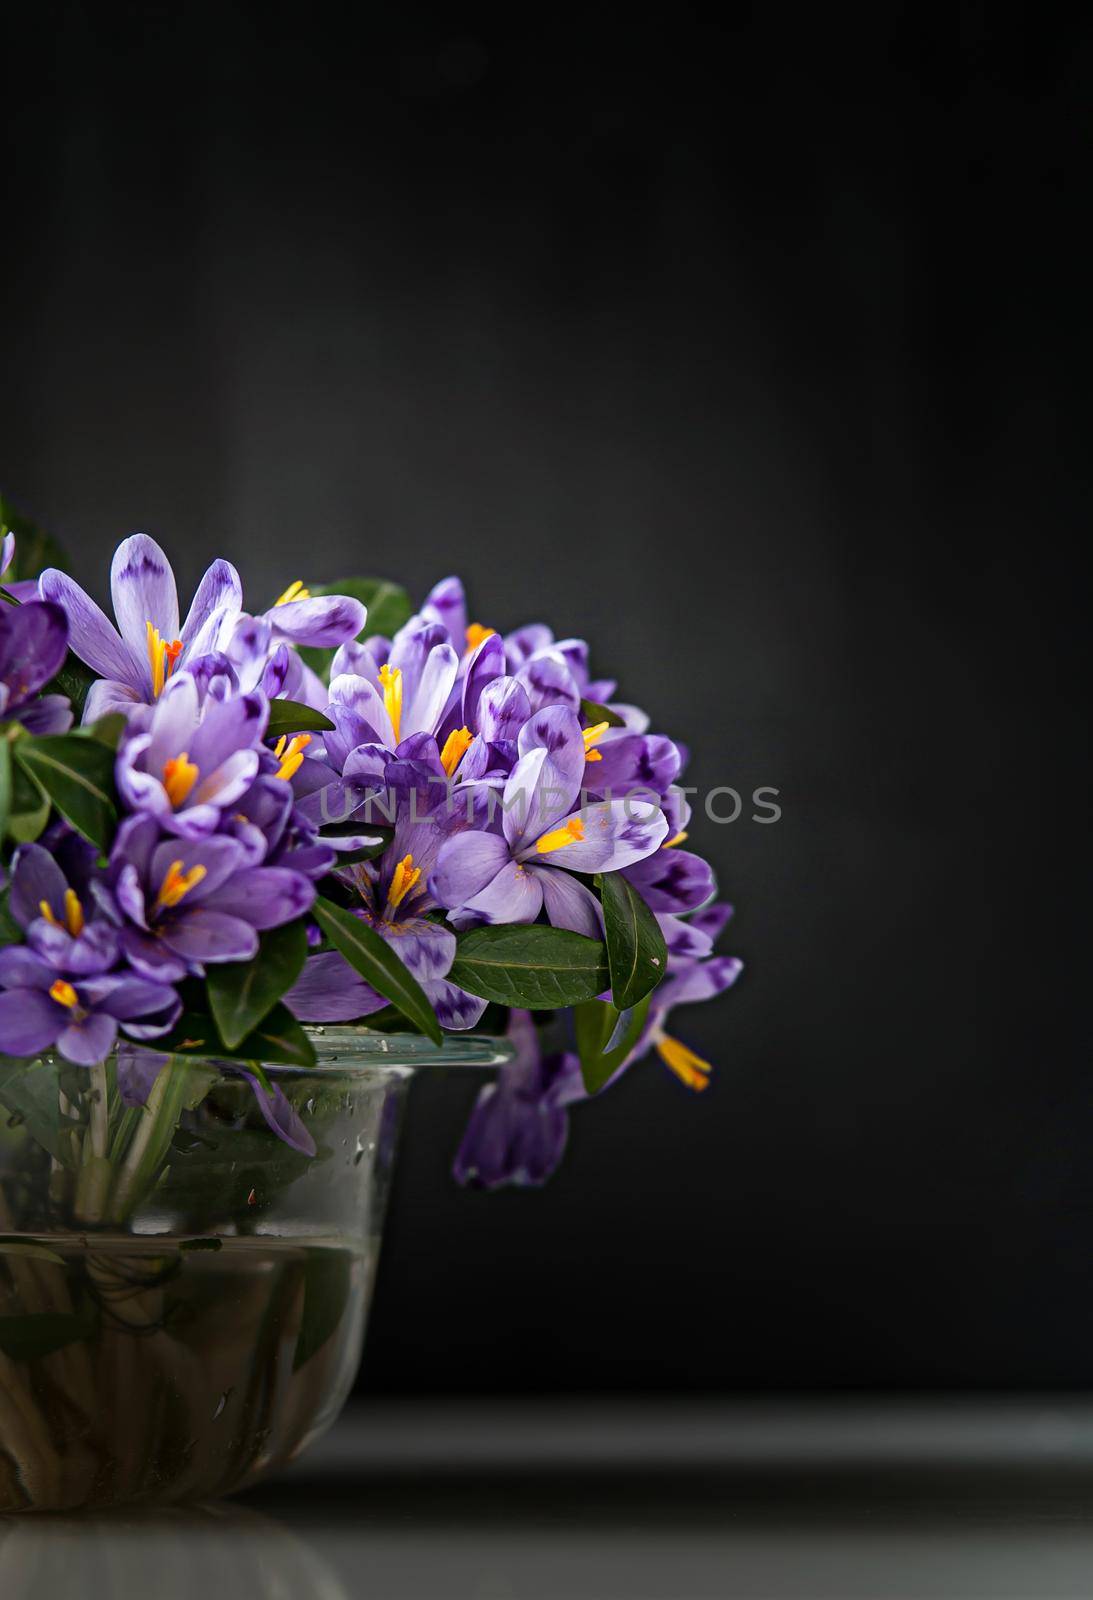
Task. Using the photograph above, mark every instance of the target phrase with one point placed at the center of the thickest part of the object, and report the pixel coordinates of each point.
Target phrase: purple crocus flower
(518, 1129)
(694, 974)
(21, 589)
(407, 694)
(138, 1070)
(33, 645)
(138, 657)
(393, 897)
(63, 988)
(180, 904)
(187, 758)
(511, 875)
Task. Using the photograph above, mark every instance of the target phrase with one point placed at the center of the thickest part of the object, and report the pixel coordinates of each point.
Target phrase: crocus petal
(548, 681)
(632, 761)
(712, 918)
(228, 726)
(150, 957)
(88, 1041)
(616, 833)
(229, 782)
(35, 877)
(359, 660)
(364, 701)
(556, 730)
(513, 896)
(142, 587)
(95, 950)
(220, 590)
(510, 1139)
(673, 880)
(537, 795)
(484, 666)
(465, 865)
(128, 997)
(324, 622)
(283, 1119)
(21, 968)
(137, 1071)
(455, 1008)
(91, 635)
(50, 713)
(221, 858)
(425, 948)
(33, 644)
(264, 896)
(425, 706)
(685, 941)
(328, 990)
(108, 696)
(209, 936)
(700, 980)
(29, 1021)
(503, 708)
(568, 903)
(7, 552)
(446, 604)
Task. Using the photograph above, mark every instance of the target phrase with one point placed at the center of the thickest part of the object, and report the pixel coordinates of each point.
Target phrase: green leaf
(279, 1039)
(538, 967)
(242, 993)
(30, 1092)
(327, 1281)
(377, 964)
(597, 1023)
(30, 808)
(39, 1333)
(78, 776)
(592, 711)
(389, 605)
(289, 716)
(107, 730)
(636, 952)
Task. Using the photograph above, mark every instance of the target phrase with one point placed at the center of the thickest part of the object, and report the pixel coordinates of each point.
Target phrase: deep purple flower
(181, 904)
(518, 1129)
(509, 876)
(694, 974)
(64, 987)
(184, 760)
(33, 645)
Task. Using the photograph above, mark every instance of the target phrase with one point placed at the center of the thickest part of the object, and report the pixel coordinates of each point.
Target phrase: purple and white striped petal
(446, 604)
(616, 833)
(325, 621)
(92, 636)
(673, 880)
(220, 594)
(142, 587)
(455, 1009)
(466, 864)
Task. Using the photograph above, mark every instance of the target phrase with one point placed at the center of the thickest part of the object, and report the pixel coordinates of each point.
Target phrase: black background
(753, 353)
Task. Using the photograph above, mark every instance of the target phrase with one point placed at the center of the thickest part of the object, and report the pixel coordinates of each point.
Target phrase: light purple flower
(136, 659)
(33, 645)
(182, 904)
(518, 1129)
(21, 589)
(64, 987)
(509, 876)
(186, 758)
(408, 693)
(694, 974)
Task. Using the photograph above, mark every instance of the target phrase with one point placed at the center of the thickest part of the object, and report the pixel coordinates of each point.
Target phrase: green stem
(159, 1117)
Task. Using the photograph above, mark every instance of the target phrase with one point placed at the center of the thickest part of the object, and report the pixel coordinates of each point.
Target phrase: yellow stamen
(177, 884)
(73, 913)
(47, 911)
(558, 838)
(391, 682)
(678, 838)
(64, 994)
(680, 1059)
(161, 658)
(292, 757)
(476, 633)
(405, 877)
(455, 748)
(179, 776)
(592, 736)
(295, 591)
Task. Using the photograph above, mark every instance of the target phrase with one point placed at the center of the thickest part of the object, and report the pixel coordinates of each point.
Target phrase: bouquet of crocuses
(217, 827)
